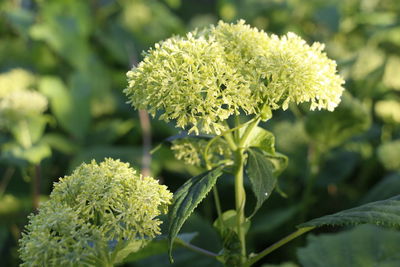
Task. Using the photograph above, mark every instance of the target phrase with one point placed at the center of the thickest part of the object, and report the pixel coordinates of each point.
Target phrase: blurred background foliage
(75, 54)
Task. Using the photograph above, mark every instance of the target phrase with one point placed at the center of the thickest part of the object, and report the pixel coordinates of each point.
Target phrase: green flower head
(187, 78)
(191, 151)
(97, 215)
(297, 72)
(17, 100)
(20, 105)
(202, 79)
(15, 80)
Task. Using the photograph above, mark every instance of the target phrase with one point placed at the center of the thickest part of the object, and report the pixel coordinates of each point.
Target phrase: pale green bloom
(280, 70)
(191, 151)
(300, 73)
(189, 81)
(22, 104)
(203, 78)
(15, 80)
(96, 215)
(17, 101)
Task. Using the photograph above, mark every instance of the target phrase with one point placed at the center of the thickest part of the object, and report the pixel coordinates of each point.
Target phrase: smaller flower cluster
(203, 78)
(192, 151)
(17, 100)
(94, 216)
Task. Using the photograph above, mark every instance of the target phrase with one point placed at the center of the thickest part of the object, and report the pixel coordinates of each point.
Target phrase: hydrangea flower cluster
(203, 78)
(15, 80)
(17, 101)
(95, 217)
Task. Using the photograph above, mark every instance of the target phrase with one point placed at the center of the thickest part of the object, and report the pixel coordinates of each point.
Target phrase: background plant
(85, 62)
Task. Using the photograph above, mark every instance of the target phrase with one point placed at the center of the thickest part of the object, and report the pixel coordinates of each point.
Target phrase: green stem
(277, 245)
(244, 138)
(218, 206)
(230, 139)
(237, 125)
(195, 248)
(240, 193)
(240, 201)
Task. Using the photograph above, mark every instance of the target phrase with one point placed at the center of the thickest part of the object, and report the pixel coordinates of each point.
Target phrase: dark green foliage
(186, 199)
(365, 246)
(383, 213)
(262, 179)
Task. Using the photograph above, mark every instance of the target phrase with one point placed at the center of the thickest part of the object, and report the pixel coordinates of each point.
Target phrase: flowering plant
(220, 84)
(95, 217)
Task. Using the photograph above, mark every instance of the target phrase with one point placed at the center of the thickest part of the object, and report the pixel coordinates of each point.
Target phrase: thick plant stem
(244, 138)
(240, 201)
(240, 193)
(277, 245)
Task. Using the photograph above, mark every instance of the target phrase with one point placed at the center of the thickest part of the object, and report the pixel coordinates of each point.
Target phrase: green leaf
(155, 247)
(65, 26)
(261, 139)
(186, 199)
(14, 209)
(265, 141)
(230, 254)
(70, 107)
(130, 247)
(29, 131)
(384, 213)
(109, 130)
(279, 162)
(390, 78)
(369, 59)
(60, 143)
(229, 220)
(364, 245)
(262, 179)
(35, 154)
(21, 19)
(158, 246)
